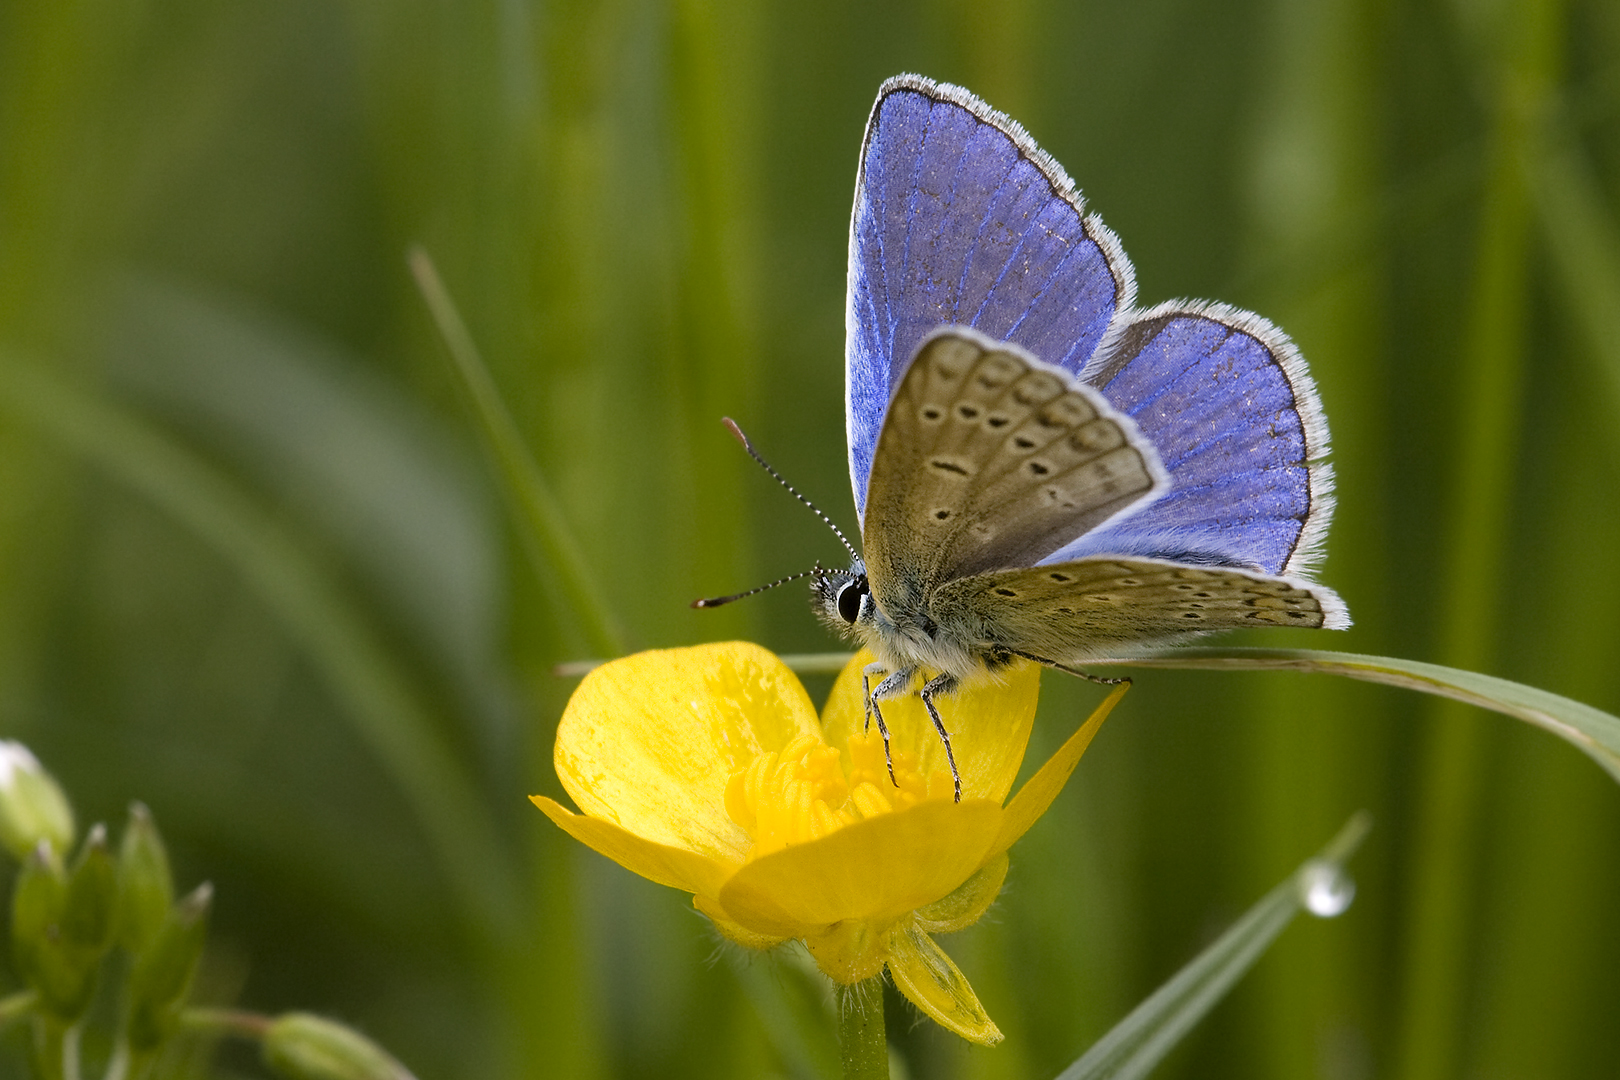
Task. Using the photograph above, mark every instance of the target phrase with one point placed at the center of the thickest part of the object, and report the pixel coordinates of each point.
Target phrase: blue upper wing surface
(960, 219)
(1226, 400)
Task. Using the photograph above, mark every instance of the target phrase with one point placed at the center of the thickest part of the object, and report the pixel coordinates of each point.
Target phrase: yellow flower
(705, 769)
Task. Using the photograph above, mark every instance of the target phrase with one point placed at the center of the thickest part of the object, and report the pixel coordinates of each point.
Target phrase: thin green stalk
(238, 1023)
(804, 663)
(863, 1046)
(70, 1051)
(553, 552)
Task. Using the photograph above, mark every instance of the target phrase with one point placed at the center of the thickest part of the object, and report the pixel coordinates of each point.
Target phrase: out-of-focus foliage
(254, 570)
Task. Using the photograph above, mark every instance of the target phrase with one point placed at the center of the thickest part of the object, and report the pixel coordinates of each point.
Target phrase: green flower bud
(37, 901)
(145, 885)
(90, 910)
(52, 968)
(301, 1046)
(161, 976)
(32, 806)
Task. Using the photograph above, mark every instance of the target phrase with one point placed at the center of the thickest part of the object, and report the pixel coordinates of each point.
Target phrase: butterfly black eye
(849, 600)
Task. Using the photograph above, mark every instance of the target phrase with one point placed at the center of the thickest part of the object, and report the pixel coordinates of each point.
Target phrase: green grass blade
(367, 683)
(1140, 1041)
(547, 539)
(1594, 731)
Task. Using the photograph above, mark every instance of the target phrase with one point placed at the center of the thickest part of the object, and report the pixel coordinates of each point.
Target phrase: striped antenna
(748, 446)
(716, 601)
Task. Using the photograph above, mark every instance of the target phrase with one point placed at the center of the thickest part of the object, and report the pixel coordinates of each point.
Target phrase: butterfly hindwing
(1074, 611)
(960, 219)
(989, 459)
(1226, 400)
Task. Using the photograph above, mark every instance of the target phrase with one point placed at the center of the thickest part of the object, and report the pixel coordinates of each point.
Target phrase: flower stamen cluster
(800, 793)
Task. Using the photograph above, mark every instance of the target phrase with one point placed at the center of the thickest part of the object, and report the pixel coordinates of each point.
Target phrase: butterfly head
(843, 598)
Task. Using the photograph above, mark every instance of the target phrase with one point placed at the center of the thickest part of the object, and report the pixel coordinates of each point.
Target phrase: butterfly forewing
(1074, 611)
(960, 219)
(989, 459)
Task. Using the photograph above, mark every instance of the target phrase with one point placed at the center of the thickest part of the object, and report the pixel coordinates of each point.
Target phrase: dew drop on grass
(1325, 889)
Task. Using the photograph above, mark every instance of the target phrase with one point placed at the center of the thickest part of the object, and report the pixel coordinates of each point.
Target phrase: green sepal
(161, 976)
(971, 899)
(145, 884)
(302, 1046)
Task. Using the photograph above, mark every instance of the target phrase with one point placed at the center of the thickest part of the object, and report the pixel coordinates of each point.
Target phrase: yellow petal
(873, 870)
(971, 899)
(650, 741)
(923, 973)
(988, 721)
(672, 866)
(1039, 790)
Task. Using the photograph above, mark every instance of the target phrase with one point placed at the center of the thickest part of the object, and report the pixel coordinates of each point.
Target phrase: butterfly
(1041, 469)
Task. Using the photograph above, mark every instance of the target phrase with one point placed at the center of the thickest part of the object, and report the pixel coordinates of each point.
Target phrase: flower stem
(861, 1043)
(237, 1022)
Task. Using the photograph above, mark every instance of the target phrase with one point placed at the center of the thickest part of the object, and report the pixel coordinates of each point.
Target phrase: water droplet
(1325, 889)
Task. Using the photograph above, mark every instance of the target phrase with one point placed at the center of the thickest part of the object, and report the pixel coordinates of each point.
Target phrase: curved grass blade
(367, 683)
(550, 544)
(1594, 731)
(1141, 1040)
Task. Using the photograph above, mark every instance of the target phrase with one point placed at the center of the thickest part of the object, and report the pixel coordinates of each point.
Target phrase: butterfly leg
(872, 709)
(942, 684)
(866, 691)
(894, 685)
(1101, 680)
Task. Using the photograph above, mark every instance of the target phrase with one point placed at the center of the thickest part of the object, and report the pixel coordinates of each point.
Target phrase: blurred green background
(256, 570)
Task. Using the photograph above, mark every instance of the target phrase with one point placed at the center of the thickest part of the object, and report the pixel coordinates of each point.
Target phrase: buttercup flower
(706, 769)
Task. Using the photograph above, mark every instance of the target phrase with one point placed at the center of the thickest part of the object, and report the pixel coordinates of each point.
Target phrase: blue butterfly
(1041, 469)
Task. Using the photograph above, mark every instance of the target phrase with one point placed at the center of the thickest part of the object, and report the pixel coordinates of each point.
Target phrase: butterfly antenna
(716, 601)
(748, 446)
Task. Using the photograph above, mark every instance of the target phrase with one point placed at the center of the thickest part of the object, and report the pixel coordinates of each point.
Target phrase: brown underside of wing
(988, 460)
(1070, 611)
